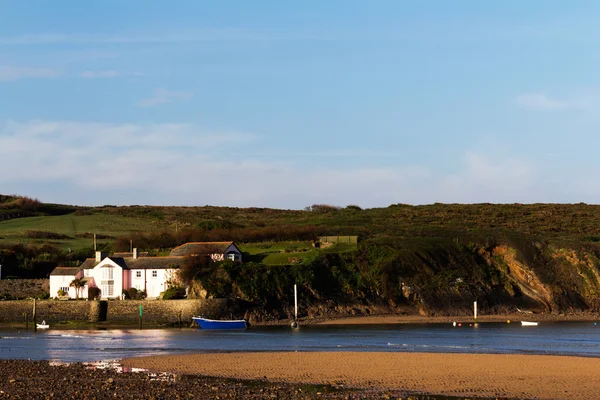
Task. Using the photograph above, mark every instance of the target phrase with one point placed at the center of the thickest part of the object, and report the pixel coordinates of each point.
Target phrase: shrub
(125, 294)
(43, 296)
(60, 293)
(173, 293)
(135, 294)
(94, 293)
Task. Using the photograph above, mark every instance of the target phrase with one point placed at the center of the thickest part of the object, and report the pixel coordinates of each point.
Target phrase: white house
(122, 271)
(61, 278)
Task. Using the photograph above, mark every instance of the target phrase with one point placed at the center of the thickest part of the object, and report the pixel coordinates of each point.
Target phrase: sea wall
(155, 312)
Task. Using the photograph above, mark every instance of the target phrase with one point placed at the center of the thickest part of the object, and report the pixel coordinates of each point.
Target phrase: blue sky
(281, 104)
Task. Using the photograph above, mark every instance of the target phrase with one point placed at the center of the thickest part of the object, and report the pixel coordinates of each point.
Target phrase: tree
(193, 267)
(78, 284)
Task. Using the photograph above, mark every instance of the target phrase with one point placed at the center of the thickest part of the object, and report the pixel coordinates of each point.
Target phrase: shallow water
(557, 338)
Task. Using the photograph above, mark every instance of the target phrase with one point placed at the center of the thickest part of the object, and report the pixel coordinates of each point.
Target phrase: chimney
(98, 256)
(135, 253)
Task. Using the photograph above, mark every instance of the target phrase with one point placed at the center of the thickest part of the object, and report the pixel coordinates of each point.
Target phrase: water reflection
(565, 338)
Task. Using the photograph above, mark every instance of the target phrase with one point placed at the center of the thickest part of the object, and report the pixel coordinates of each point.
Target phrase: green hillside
(435, 258)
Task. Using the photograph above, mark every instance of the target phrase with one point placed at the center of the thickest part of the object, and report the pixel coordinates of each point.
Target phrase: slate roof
(120, 261)
(89, 263)
(128, 254)
(154, 262)
(193, 248)
(66, 271)
(136, 263)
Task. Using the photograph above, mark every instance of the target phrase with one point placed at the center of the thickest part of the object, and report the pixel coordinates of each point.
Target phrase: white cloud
(541, 102)
(180, 164)
(163, 96)
(483, 179)
(10, 73)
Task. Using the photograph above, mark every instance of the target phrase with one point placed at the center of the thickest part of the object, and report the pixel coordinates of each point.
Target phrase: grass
(15, 230)
(569, 223)
(289, 252)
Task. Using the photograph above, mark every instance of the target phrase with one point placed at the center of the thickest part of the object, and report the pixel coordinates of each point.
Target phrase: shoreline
(382, 319)
(377, 319)
(446, 374)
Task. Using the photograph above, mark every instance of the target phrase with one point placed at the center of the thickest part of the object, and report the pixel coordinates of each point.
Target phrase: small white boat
(528, 323)
(43, 325)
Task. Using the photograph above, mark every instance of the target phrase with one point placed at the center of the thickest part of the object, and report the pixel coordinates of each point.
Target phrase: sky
(287, 104)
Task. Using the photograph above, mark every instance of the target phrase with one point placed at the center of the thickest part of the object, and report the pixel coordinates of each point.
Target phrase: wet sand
(464, 375)
(418, 319)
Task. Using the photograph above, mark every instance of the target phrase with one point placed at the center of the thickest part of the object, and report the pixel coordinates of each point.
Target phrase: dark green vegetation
(435, 259)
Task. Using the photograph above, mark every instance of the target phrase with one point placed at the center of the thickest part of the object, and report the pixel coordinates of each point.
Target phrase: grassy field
(79, 228)
(564, 222)
(290, 252)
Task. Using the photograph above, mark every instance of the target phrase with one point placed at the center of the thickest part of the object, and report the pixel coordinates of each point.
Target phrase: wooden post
(475, 311)
(26, 321)
(180, 313)
(295, 321)
(295, 302)
(34, 322)
(141, 314)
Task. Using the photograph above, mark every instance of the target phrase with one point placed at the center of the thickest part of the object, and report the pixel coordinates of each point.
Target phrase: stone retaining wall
(155, 312)
(23, 288)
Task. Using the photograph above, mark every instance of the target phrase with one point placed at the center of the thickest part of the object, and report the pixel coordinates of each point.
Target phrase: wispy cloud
(100, 74)
(163, 96)
(541, 102)
(106, 74)
(11, 73)
(206, 35)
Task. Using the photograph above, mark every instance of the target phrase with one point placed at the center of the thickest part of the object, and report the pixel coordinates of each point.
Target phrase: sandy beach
(465, 375)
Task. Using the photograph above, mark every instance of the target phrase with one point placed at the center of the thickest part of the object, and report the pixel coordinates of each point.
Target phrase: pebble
(38, 380)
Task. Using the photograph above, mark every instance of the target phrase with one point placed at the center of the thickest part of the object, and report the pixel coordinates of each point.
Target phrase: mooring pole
(295, 321)
(26, 321)
(180, 312)
(475, 311)
(34, 322)
(141, 314)
(295, 303)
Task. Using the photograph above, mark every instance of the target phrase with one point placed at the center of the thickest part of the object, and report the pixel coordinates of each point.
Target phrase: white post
(475, 310)
(295, 303)
(94, 242)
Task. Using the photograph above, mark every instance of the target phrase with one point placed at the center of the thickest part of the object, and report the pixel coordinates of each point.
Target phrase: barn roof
(200, 248)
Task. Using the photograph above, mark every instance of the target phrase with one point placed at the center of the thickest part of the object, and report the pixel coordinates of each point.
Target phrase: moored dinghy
(529, 323)
(205, 323)
(43, 325)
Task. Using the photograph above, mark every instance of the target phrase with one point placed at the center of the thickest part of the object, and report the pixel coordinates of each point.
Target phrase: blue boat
(205, 323)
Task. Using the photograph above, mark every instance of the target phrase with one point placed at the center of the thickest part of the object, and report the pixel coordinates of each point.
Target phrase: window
(65, 289)
(108, 290)
(108, 274)
(138, 274)
(155, 274)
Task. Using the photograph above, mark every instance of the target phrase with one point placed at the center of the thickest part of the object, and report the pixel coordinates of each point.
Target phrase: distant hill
(436, 258)
(21, 206)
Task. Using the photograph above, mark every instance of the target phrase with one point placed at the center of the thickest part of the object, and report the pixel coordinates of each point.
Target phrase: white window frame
(108, 273)
(138, 274)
